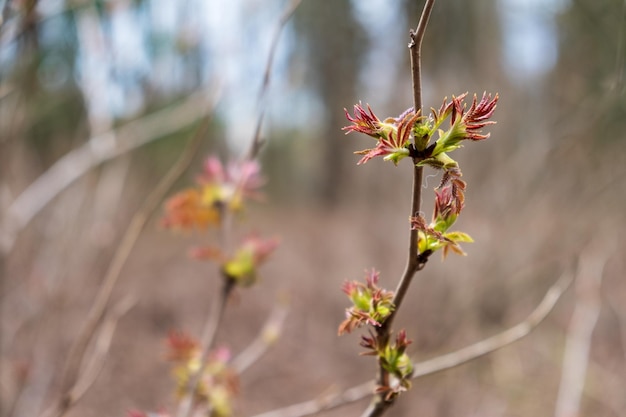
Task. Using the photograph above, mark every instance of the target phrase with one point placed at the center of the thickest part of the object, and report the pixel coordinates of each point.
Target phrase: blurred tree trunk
(595, 81)
(333, 46)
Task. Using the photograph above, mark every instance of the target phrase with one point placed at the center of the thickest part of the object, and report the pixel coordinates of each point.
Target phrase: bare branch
(437, 364)
(500, 340)
(266, 338)
(89, 373)
(97, 150)
(324, 403)
(137, 224)
(607, 388)
(415, 46)
(583, 321)
(288, 12)
(185, 407)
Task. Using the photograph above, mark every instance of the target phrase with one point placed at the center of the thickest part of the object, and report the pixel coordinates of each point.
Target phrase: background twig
(138, 222)
(103, 342)
(185, 407)
(500, 340)
(439, 363)
(583, 321)
(288, 12)
(96, 150)
(266, 338)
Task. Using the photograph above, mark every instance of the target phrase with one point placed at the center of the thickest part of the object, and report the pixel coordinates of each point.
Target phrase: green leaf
(459, 237)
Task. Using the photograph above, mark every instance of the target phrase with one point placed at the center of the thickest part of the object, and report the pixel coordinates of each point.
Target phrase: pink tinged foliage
(393, 134)
(363, 121)
(218, 188)
(185, 211)
(395, 360)
(218, 383)
(244, 176)
(230, 185)
(434, 236)
(242, 266)
(181, 347)
(477, 116)
(371, 304)
(464, 125)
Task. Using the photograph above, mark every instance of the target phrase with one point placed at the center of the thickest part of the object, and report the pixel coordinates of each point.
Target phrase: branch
(414, 262)
(185, 407)
(438, 364)
(11, 29)
(491, 344)
(288, 12)
(137, 224)
(267, 337)
(583, 321)
(92, 369)
(325, 403)
(95, 151)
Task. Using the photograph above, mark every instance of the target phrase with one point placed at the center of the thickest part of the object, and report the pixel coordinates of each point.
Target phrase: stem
(413, 262)
(186, 406)
(72, 368)
(415, 46)
(379, 405)
(437, 364)
(257, 142)
(208, 335)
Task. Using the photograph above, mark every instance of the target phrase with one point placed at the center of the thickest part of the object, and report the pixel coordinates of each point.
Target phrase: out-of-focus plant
(206, 382)
(207, 378)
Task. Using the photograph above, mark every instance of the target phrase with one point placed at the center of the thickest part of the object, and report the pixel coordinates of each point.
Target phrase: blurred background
(545, 196)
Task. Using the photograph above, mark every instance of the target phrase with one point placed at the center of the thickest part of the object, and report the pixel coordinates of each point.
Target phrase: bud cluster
(409, 135)
(217, 189)
(222, 190)
(372, 305)
(218, 382)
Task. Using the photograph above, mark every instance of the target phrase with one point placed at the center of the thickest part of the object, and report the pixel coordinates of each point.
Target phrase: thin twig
(379, 405)
(579, 334)
(607, 388)
(11, 29)
(213, 320)
(413, 263)
(185, 407)
(91, 371)
(266, 338)
(500, 340)
(438, 364)
(95, 151)
(137, 224)
(257, 143)
(308, 408)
